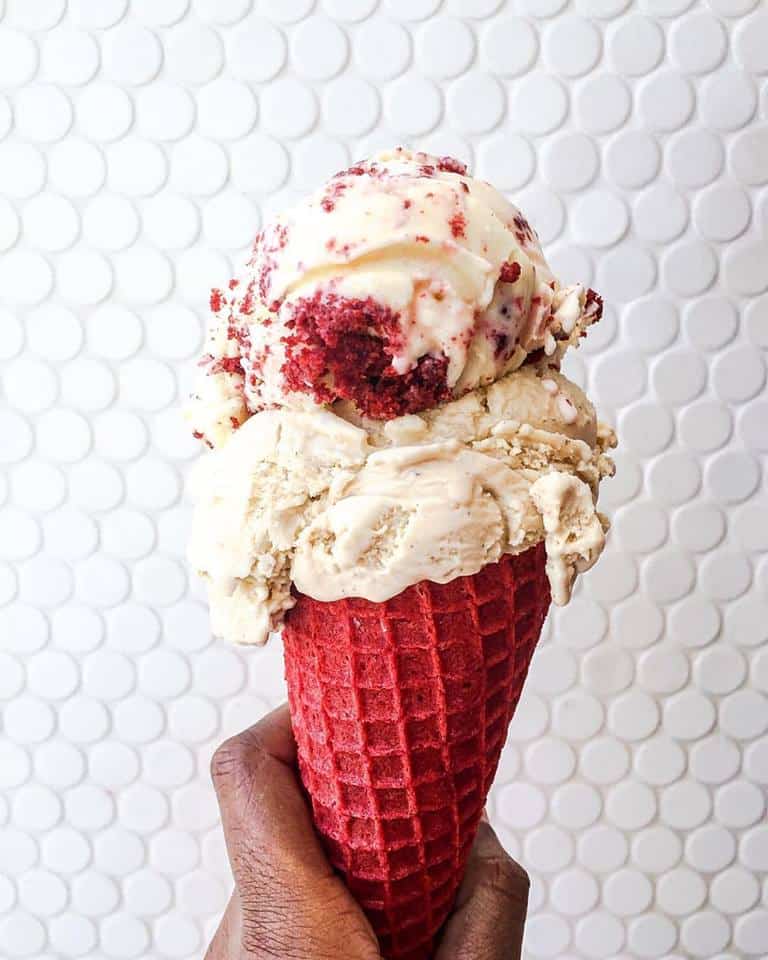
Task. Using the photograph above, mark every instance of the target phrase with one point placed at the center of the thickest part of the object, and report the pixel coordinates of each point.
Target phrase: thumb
(289, 902)
(489, 917)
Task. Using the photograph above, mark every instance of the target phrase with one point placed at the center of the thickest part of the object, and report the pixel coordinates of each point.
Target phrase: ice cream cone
(400, 710)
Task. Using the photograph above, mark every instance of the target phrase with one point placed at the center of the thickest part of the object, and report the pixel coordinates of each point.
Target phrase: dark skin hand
(289, 904)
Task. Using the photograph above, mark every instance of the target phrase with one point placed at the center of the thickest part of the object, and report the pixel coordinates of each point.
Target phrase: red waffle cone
(400, 710)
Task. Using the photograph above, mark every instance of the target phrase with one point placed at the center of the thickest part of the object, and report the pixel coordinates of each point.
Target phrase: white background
(140, 145)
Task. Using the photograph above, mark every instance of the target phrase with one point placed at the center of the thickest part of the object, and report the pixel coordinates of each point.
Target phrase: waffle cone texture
(400, 710)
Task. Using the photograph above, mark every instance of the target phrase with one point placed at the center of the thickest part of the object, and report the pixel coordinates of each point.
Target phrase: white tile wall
(141, 144)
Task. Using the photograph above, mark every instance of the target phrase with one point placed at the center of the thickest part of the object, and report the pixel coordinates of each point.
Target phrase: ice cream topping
(383, 399)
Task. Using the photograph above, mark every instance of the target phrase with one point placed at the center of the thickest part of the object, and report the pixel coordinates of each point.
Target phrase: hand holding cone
(400, 710)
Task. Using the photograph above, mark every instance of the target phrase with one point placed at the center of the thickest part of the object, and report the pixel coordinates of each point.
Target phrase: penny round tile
(139, 155)
(350, 107)
(382, 49)
(68, 56)
(656, 849)
(695, 157)
(633, 716)
(603, 103)
(728, 99)
(630, 806)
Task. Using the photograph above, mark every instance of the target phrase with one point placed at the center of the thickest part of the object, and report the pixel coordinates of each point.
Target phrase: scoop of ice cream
(341, 505)
(401, 284)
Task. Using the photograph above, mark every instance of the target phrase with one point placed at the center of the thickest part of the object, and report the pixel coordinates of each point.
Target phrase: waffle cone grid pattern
(400, 710)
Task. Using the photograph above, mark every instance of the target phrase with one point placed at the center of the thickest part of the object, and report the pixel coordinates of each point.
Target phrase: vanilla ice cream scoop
(401, 284)
(341, 505)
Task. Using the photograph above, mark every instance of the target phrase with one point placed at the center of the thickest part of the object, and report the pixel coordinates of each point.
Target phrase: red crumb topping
(427, 170)
(407, 204)
(336, 189)
(523, 230)
(458, 224)
(201, 436)
(235, 423)
(341, 348)
(227, 365)
(421, 238)
(281, 237)
(593, 304)
(358, 169)
(238, 335)
(217, 298)
(266, 245)
(344, 249)
(510, 271)
(452, 165)
(246, 304)
(465, 186)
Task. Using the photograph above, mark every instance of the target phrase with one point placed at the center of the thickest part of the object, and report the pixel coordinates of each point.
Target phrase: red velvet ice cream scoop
(402, 283)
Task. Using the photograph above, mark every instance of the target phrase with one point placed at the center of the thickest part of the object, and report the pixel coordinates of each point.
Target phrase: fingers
(290, 902)
(489, 916)
(264, 813)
